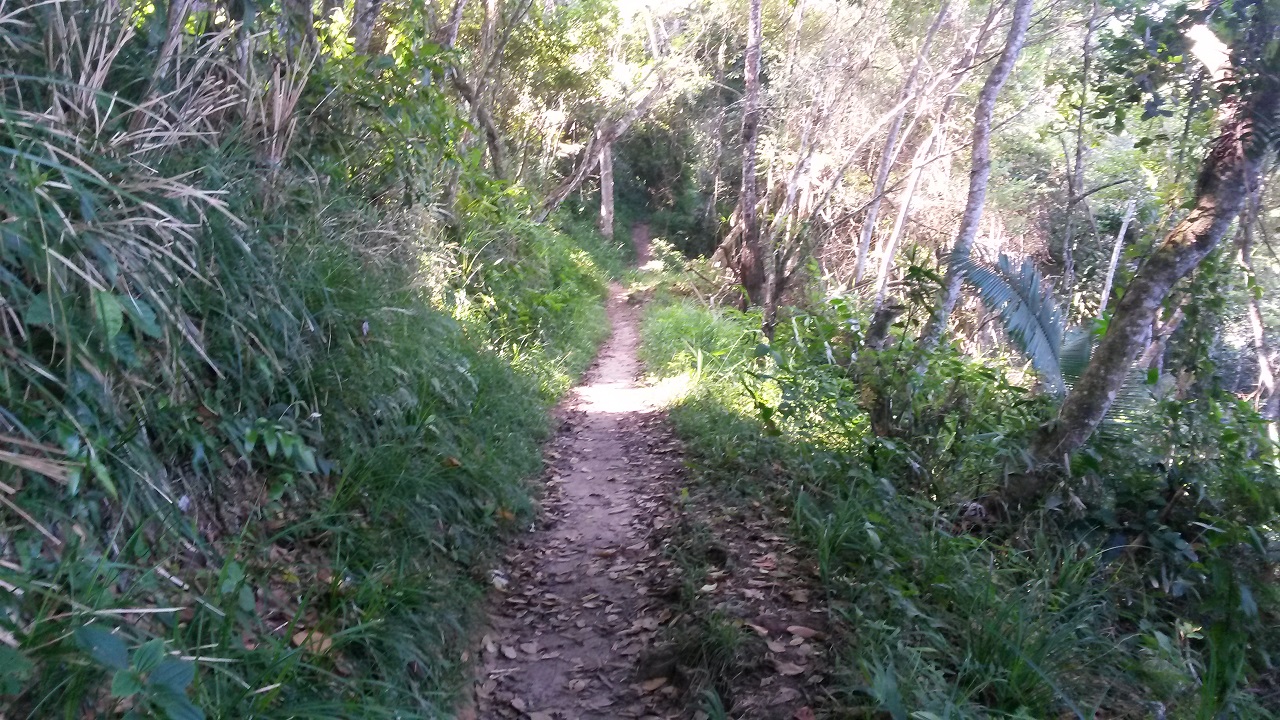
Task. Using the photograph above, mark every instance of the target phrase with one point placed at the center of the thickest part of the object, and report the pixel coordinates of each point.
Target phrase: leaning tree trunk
(748, 261)
(979, 174)
(890, 151)
(1230, 170)
(1115, 256)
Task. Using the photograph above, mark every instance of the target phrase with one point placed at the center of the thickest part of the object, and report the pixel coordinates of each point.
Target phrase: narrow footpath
(580, 601)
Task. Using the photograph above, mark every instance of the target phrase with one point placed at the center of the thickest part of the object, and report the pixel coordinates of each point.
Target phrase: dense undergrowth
(1144, 588)
(264, 408)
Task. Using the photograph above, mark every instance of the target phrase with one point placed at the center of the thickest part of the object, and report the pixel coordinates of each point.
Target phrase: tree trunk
(492, 139)
(1115, 256)
(935, 140)
(366, 17)
(717, 144)
(979, 173)
(1227, 175)
(606, 191)
(605, 134)
(1268, 400)
(1075, 183)
(449, 34)
(748, 261)
(890, 151)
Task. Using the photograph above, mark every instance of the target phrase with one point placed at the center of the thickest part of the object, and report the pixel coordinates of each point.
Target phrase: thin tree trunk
(1228, 174)
(717, 141)
(890, 151)
(1153, 357)
(1268, 400)
(491, 136)
(449, 36)
(605, 134)
(1115, 255)
(748, 261)
(1075, 183)
(935, 140)
(606, 191)
(366, 17)
(979, 173)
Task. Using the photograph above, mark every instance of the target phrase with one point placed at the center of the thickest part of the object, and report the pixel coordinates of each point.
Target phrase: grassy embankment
(944, 614)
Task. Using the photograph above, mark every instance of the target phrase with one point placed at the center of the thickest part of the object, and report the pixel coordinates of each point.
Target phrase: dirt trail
(581, 599)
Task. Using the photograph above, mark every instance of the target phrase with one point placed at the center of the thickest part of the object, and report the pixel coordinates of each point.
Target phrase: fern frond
(1031, 315)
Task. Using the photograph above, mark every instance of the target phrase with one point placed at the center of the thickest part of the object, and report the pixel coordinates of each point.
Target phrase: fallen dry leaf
(787, 668)
(776, 646)
(651, 685)
(804, 713)
(312, 641)
(802, 631)
(509, 652)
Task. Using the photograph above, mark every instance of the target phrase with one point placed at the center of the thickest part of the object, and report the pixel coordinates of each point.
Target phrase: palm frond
(1030, 313)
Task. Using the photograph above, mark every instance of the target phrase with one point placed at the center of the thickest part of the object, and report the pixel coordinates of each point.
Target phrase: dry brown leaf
(651, 685)
(776, 646)
(802, 631)
(762, 632)
(509, 652)
(804, 713)
(530, 648)
(787, 668)
(312, 641)
(518, 704)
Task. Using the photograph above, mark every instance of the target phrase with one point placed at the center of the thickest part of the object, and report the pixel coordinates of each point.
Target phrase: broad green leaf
(39, 312)
(109, 313)
(176, 706)
(148, 655)
(126, 683)
(15, 669)
(173, 674)
(105, 647)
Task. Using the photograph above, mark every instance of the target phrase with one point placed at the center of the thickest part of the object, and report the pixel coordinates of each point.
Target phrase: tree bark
(362, 25)
(979, 174)
(606, 191)
(748, 261)
(1230, 170)
(1115, 256)
(890, 151)
(449, 34)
